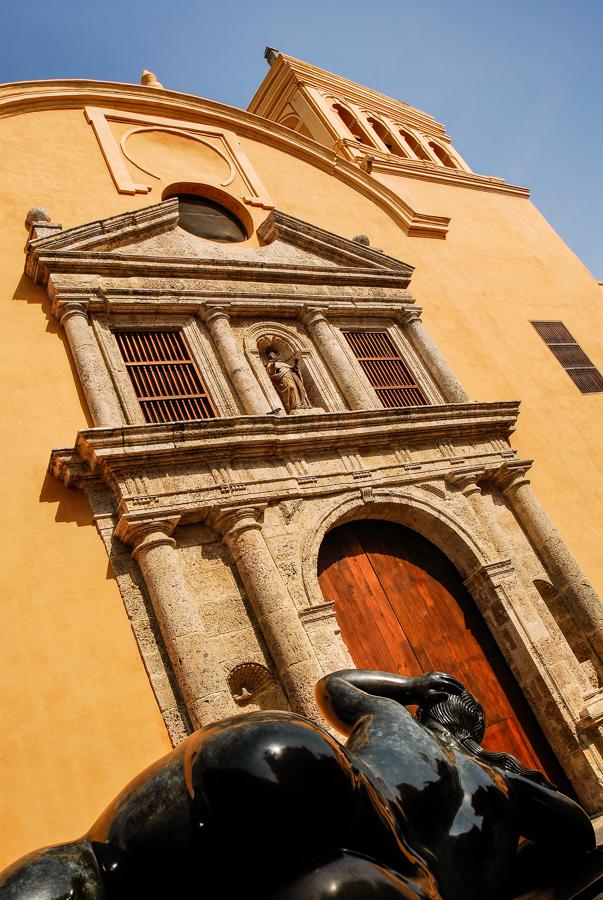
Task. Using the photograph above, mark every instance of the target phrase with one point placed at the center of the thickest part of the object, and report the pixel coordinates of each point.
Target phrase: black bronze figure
(269, 806)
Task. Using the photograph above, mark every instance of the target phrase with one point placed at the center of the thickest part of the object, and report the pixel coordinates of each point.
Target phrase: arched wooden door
(402, 607)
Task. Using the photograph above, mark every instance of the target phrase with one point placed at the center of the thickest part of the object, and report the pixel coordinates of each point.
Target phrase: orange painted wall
(79, 716)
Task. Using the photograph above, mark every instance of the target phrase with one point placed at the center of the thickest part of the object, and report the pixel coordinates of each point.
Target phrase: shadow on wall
(71, 505)
(28, 292)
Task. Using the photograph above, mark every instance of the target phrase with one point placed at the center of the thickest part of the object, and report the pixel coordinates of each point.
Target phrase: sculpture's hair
(464, 718)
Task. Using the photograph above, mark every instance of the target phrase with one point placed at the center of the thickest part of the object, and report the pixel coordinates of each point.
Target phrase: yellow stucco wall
(79, 716)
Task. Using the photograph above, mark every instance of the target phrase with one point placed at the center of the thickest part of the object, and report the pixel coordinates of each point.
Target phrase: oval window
(207, 219)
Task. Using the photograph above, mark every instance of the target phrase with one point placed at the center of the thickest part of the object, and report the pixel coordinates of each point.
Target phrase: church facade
(263, 374)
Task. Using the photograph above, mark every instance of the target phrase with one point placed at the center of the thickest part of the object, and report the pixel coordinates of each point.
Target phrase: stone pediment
(149, 242)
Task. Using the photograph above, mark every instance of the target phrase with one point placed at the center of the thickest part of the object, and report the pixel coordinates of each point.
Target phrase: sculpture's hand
(435, 686)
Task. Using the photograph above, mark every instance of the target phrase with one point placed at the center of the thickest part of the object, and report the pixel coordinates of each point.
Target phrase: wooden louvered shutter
(389, 375)
(168, 385)
(574, 360)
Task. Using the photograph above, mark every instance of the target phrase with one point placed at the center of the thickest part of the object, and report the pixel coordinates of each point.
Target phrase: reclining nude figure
(269, 806)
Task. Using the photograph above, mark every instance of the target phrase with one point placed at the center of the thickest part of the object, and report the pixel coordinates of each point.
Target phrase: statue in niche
(288, 381)
(269, 806)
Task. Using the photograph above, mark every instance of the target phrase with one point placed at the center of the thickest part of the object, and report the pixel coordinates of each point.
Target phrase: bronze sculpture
(288, 381)
(269, 805)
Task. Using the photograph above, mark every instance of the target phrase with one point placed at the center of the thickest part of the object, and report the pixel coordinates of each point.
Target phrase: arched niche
(259, 337)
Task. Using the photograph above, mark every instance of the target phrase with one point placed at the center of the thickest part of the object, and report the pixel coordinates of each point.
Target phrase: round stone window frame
(220, 198)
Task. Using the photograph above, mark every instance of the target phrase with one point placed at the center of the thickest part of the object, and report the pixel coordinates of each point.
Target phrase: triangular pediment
(151, 237)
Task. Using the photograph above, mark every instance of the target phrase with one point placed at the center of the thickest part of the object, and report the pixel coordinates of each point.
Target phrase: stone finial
(270, 55)
(149, 79)
(37, 214)
(362, 239)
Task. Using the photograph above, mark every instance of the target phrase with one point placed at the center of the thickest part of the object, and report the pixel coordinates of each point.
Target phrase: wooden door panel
(402, 607)
(367, 622)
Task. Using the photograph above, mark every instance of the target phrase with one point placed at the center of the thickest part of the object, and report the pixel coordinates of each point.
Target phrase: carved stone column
(337, 359)
(563, 568)
(183, 633)
(275, 611)
(217, 319)
(94, 378)
(432, 358)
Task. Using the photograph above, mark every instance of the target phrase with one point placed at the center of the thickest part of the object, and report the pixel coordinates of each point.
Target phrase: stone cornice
(294, 231)
(25, 97)
(149, 446)
(278, 301)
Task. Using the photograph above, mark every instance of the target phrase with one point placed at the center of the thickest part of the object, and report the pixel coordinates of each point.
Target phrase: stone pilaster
(217, 319)
(431, 357)
(337, 359)
(274, 609)
(94, 378)
(563, 568)
(183, 633)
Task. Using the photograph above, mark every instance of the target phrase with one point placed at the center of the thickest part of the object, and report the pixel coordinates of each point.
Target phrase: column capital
(210, 312)
(466, 482)
(410, 314)
(506, 477)
(142, 534)
(314, 312)
(65, 309)
(232, 521)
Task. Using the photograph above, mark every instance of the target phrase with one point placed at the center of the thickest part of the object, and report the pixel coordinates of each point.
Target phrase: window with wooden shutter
(574, 360)
(167, 382)
(388, 373)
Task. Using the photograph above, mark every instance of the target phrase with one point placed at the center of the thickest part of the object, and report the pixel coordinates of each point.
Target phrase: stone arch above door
(426, 515)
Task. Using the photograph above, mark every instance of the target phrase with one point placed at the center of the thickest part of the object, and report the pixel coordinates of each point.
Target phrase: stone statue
(288, 381)
(269, 806)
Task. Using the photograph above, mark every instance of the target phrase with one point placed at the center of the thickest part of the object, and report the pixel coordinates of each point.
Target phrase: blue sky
(517, 84)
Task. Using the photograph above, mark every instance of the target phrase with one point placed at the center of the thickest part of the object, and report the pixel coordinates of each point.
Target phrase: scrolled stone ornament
(269, 806)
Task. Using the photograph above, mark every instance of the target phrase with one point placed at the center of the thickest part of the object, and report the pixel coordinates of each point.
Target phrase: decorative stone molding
(222, 142)
(248, 680)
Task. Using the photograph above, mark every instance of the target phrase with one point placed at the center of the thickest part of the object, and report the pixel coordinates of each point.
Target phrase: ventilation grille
(574, 360)
(168, 386)
(394, 383)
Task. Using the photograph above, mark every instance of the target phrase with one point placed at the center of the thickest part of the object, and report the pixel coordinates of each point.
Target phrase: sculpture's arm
(345, 696)
(549, 817)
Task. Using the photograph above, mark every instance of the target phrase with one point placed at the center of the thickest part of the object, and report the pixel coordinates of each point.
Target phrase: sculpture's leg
(350, 877)
(69, 870)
